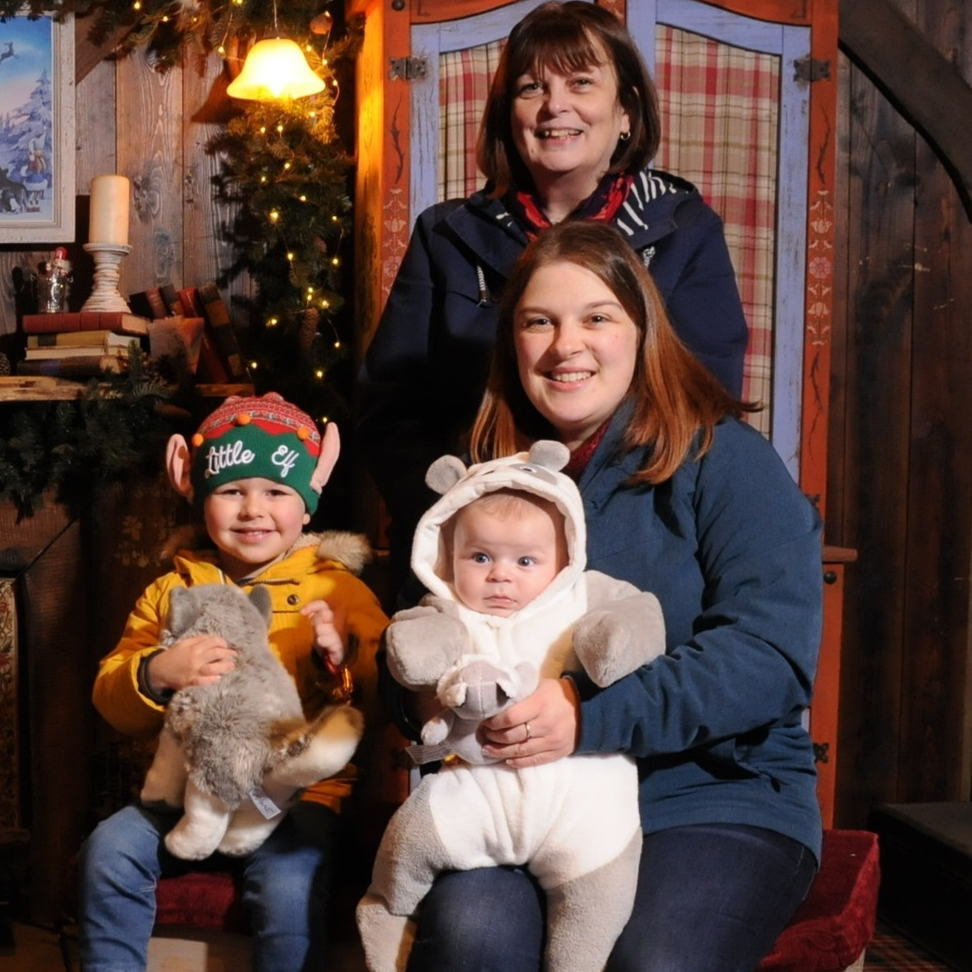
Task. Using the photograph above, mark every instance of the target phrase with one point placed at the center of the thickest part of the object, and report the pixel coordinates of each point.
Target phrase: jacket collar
(484, 225)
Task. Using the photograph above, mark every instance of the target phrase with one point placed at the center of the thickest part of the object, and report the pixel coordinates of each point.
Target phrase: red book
(119, 321)
(221, 329)
(148, 303)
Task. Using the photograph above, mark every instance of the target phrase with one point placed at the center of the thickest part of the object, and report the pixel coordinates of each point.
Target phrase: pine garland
(285, 174)
(116, 429)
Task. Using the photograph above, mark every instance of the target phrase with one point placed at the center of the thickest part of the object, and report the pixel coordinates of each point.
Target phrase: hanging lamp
(275, 68)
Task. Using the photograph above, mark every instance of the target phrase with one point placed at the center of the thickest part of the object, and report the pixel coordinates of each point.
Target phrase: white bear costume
(573, 823)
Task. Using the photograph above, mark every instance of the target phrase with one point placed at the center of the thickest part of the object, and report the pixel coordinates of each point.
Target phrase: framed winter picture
(37, 130)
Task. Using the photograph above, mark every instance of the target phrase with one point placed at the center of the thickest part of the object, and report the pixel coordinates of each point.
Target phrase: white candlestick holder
(105, 295)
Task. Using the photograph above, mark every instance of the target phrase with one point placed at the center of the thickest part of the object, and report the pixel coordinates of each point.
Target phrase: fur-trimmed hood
(536, 472)
(351, 550)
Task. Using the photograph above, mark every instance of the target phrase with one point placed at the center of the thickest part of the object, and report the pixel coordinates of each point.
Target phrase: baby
(503, 556)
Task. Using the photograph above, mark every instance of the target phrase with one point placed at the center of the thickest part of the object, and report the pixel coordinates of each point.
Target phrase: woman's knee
(494, 916)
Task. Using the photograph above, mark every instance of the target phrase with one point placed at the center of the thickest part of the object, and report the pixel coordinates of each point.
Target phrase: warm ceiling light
(274, 69)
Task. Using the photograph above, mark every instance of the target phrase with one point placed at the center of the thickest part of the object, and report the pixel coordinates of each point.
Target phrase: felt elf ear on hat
(261, 436)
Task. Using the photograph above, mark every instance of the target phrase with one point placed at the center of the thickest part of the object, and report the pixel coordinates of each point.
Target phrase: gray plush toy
(236, 754)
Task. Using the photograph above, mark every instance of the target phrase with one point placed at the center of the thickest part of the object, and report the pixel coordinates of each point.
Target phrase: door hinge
(810, 69)
(407, 68)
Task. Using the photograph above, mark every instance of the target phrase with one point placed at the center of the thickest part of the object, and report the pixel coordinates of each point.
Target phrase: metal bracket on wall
(407, 68)
(810, 69)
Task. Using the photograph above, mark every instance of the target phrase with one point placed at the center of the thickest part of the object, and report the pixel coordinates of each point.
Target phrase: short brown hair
(674, 395)
(567, 37)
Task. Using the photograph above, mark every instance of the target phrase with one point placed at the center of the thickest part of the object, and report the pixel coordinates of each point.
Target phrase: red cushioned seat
(200, 899)
(828, 933)
(835, 923)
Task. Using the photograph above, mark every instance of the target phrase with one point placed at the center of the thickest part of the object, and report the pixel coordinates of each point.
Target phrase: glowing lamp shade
(273, 69)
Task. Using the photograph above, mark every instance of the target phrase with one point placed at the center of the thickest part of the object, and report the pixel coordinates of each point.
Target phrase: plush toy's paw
(422, 644)
(612, 642)
(201, 828)
(165, 782)
(437, 729)
(387, 938)
(249, 828)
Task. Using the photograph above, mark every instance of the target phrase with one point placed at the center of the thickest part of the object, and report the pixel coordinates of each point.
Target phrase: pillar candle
(109, 210)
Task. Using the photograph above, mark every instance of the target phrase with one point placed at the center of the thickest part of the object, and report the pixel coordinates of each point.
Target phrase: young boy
(511, 604)
(254, 471)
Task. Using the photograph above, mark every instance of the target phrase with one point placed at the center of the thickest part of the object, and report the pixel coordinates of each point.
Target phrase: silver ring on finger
(529, 735)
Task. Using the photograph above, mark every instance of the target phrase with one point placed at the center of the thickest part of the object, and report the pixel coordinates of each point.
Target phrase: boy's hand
(328, 628)
(199, 660)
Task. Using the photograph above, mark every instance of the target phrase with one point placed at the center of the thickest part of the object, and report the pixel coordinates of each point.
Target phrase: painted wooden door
(748, 96)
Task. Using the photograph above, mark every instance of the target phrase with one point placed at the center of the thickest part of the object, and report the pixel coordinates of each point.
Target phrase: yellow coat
(316, 568)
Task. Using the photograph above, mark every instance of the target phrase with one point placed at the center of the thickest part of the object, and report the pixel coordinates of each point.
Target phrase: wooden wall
(152, 128)
(901, 445)
(900, 475)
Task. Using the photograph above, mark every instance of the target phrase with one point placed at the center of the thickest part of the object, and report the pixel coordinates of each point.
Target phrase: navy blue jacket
(425, 370)
(732, 549)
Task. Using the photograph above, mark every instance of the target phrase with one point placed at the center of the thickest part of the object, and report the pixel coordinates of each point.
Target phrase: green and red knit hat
(261, 436)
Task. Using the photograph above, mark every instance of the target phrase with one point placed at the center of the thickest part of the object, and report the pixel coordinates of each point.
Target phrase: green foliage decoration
(117, 427)
(284, 176)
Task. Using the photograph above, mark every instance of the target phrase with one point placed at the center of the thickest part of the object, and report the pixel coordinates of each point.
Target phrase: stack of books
(199, 317)
(80, 345)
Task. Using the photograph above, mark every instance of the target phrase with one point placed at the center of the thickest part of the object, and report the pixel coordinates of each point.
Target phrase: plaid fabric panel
(464, 78)
(720, 116)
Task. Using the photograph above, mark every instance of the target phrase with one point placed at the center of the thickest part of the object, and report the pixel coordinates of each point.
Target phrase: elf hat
(262, 436)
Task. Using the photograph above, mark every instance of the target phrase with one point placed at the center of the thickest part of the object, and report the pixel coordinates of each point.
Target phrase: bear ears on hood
(446, 471)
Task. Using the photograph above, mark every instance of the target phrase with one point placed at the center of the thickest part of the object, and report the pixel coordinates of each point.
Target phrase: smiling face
(253, 522)
(566, 126)
(576, 349)
(505, 551)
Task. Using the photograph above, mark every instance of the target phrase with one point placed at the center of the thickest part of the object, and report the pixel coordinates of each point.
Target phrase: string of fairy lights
(283, 171)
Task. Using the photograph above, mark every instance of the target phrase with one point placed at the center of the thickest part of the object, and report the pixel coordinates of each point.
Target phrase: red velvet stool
(829, 932)
(835, 924)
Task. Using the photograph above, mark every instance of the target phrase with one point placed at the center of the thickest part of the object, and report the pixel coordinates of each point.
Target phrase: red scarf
(581, 456)
(601, 205)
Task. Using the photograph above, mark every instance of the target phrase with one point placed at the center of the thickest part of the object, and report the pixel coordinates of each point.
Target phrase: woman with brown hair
(683, 499)
(568, 132)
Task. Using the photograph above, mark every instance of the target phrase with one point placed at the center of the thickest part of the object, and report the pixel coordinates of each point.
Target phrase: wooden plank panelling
(149, 110)
(879, 227)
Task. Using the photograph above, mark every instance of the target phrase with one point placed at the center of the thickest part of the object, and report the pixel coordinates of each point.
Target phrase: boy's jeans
(285, 886)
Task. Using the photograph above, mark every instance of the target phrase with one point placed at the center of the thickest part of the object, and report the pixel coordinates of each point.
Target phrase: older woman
(569, 128)
(685, 500)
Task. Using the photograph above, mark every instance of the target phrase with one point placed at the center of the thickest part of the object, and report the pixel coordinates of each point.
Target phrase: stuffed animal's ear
(444, 473)
(330, 450)
(262, 601)
(175, 621)
(179, 466)
(549, 453)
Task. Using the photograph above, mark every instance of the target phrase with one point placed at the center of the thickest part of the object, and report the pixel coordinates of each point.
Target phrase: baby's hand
(199, 660)
(329, 640)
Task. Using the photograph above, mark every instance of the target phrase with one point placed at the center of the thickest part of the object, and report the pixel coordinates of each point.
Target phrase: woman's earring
(624, 136)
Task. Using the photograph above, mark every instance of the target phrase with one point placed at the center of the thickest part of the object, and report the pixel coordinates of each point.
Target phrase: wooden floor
(37, 950)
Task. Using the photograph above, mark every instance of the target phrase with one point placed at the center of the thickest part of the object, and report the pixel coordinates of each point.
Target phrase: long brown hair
(567, 37)
(674, 396)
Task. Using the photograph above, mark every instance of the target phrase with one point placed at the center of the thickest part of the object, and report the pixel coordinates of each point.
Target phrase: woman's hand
(199, 660)
(540, 729)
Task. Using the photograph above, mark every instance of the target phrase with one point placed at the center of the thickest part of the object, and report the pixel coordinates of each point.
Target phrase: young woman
(684, 500)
